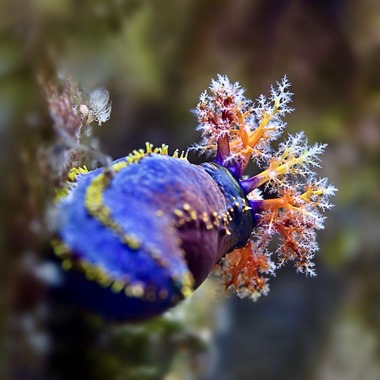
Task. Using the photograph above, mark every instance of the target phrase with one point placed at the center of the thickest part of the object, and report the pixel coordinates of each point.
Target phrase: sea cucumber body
(137, 238)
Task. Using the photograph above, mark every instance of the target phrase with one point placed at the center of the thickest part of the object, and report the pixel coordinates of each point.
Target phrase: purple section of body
(181, 217)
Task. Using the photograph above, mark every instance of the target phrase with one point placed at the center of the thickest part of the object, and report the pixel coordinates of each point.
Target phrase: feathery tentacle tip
(237, 131)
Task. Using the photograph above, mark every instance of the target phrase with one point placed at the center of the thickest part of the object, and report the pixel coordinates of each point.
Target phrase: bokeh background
(155, 57)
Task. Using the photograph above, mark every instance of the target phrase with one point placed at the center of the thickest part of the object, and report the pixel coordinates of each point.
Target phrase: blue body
(150, 235)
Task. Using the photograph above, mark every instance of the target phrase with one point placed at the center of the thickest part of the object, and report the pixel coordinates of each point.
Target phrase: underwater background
(155, 57)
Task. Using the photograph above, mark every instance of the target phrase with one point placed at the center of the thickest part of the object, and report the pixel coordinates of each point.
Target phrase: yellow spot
(178, 212)
(164, 149)
(66, 264)
(193, 215)
(187, 284)
(184, 155)
(205, 217)
(91, 273)
(102, 278)
(132, 242)
(159, 213)
(148, 147)
(128, 291)
(94, 200)
(75, 172)
(117, 286)
(119, 165)
(186, 207)
(104, 281)
(135, 290)
(60, 248)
